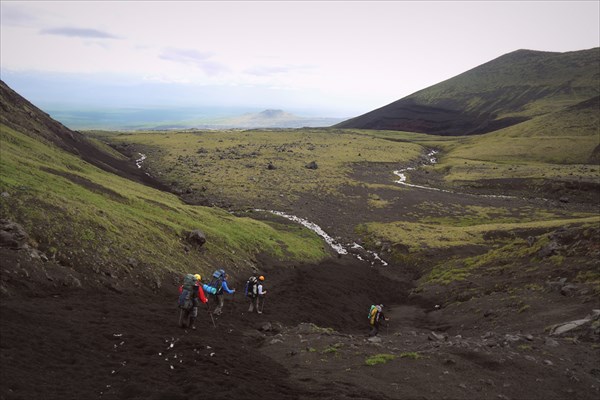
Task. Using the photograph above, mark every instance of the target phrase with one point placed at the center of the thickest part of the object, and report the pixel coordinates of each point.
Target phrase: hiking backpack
(188, 282)
(371, 312)
(374, 314)
(217, 281)
(185, 300)
(251, 289)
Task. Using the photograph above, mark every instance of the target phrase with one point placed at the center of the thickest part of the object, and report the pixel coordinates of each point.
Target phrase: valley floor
(310, 342)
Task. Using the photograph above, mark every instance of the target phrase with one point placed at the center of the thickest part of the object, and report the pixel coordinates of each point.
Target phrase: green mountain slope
(22, 116)
(569, 136)
(103, 225)
(513, 88)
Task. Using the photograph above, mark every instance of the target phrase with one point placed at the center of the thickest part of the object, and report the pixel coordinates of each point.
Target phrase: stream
(354, 248)
(401, 173)
(140, 160)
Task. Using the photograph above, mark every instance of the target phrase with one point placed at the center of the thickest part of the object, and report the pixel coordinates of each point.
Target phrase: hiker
(375, 317)
(220, 284)
(254, 291)
(197, 294)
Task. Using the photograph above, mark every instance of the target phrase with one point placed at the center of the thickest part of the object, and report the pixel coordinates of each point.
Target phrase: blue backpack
(217, 281)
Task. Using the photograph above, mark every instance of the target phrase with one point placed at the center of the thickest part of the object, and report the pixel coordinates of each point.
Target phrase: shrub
(379, 359)
(412, 355)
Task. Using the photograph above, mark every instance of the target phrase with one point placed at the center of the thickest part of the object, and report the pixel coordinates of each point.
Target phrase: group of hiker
(193, 290)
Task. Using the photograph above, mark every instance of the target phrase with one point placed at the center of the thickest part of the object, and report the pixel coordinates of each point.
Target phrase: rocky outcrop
(196, 237)
(12, 235)
(588, 326)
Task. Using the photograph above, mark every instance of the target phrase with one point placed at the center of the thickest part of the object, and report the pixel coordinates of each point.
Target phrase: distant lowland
(182, 118)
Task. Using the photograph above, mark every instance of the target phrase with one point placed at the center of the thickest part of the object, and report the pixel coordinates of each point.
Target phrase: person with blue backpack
(219, 283)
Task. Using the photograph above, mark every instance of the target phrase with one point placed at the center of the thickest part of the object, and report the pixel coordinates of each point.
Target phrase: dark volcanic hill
(503, 92)
(19, 114)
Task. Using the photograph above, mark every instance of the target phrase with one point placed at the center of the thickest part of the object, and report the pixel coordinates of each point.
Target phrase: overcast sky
(343, 58)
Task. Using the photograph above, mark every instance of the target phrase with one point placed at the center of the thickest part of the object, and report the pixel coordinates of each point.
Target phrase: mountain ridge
(21, 115)
(510, 89)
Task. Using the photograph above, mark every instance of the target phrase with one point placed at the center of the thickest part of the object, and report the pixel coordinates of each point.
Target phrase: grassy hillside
(92, 220)
(522, 83)
(503, 92)
(562, 146)
(569, 136)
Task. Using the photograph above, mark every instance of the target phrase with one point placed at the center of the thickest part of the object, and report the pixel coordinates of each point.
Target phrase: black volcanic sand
(80, 343)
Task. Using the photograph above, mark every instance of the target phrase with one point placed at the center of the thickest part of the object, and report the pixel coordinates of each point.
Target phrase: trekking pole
(262, 306)
(211, 316)
(232, 303)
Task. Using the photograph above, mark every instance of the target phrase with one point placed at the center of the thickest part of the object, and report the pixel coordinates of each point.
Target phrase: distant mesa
(274, 118)
(274, 114)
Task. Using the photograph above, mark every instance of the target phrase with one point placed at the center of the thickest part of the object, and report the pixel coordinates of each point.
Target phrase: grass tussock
(379, 359)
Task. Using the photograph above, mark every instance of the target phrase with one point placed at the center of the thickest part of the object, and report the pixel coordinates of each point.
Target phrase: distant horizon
(167, 118)
(328, 58)
(105, 114)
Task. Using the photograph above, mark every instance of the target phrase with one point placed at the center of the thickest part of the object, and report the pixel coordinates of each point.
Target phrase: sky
(326, 58)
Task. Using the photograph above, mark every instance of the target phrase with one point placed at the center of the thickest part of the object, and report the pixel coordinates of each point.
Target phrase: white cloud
(85, 33)
(194, 57)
